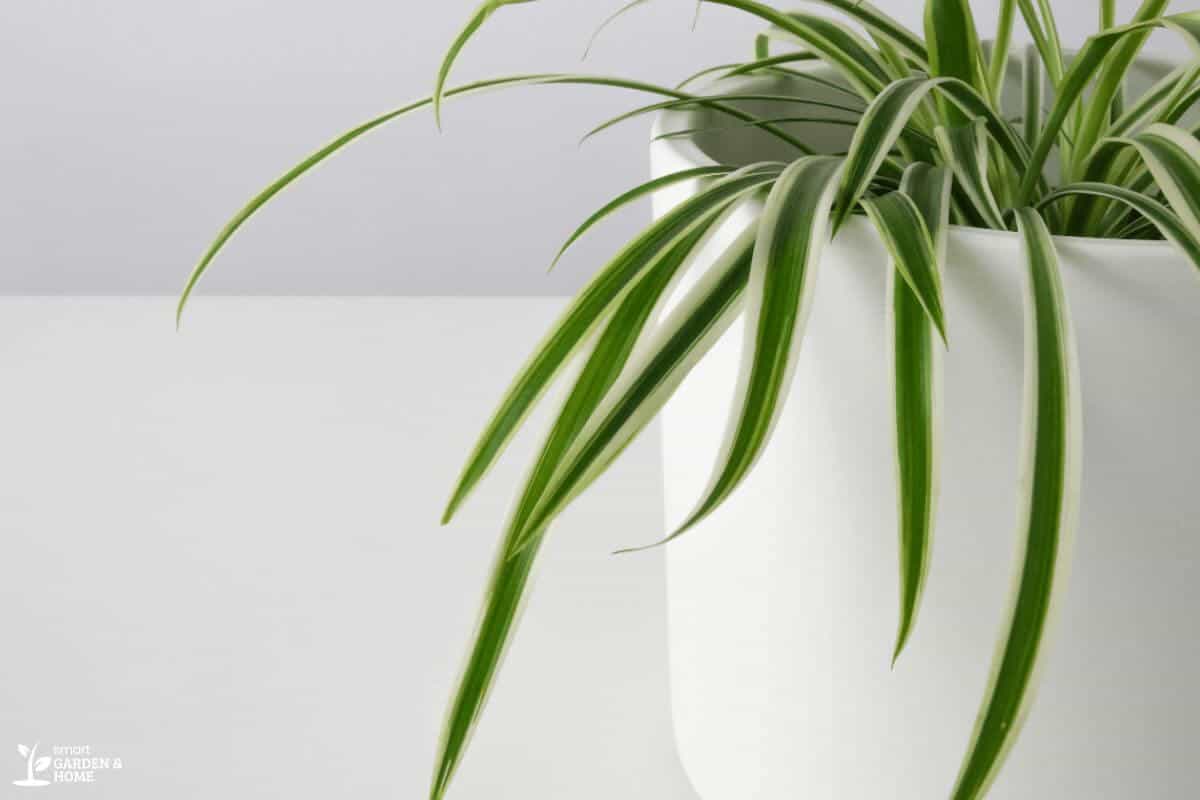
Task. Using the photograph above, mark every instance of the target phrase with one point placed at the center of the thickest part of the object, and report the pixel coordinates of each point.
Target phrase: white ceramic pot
(783, 606)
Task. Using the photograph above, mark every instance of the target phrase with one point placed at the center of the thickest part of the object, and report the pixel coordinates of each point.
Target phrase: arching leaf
(1050, 478)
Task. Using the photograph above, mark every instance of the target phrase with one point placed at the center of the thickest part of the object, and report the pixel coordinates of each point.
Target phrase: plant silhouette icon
(33, 765)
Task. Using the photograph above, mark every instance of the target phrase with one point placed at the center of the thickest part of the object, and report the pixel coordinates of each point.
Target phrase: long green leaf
(649, 187)
(880, 128)
(965, 150)
(585, 311)
(886, 117)
(954, 50)
(1050, 472)
(794, 228)
(687, 334)
(291, 176)
(263, 197)
(909, 242)
(916, 369)
(474, 23)
(510, 575)
(975, 105)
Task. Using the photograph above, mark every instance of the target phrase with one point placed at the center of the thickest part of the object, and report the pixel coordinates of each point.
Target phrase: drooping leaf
(794, 228)
(687, 334)
(586, 310)
(880, 128)
(909, 242)
(291, 176)
(916, 367)
(468, 31)
(1006, 137)
(1050, 478)
(503, 600)
(642, 190)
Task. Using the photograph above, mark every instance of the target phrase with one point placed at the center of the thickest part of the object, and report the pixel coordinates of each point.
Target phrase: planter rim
(686, 149)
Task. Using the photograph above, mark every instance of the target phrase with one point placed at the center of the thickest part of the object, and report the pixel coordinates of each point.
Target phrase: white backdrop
(222, 561)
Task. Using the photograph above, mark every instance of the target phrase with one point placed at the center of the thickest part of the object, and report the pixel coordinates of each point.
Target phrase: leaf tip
(901, 641)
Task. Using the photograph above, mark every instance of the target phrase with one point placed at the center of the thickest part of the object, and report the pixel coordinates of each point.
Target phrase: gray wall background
(134, 128)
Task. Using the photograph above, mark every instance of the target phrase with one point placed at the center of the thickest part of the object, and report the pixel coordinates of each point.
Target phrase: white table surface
(221, 558)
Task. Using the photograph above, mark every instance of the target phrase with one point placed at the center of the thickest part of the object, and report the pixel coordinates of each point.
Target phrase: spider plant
(931, 147)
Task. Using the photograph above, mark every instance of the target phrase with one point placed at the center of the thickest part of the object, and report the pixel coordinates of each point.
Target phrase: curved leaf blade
(720, 103)
(748, 67)
(503, 600)
(649, 187)
(879, 24)
(1161, 217)
(1173, 158)
(794, 227)
(613, 17)
(903, 229)
(878, 131)
(966, 152)
(916, 372)
(468, 31)
(584, 313)
(687, 334)
(1050, 470)
(291, 176)
(837, 45)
